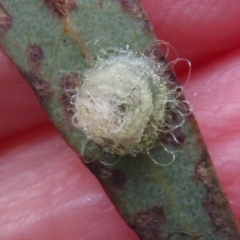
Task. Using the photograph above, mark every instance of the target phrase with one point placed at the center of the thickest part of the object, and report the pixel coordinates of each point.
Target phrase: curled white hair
(124, 103)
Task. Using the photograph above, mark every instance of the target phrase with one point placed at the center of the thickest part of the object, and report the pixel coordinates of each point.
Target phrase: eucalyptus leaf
(53, 43)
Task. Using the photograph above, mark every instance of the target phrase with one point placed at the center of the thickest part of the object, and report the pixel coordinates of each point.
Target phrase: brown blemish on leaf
(39, 85)
(216, 203)
(71, 80)
(179, 135)
(134, 9)
(68, 84)
(101, 5)
(147, 223)
(5, 19)
(147, 25)
(175, 139)
(62, 8)
(115, 178)
(35, 55)
(119, 179)
(155, 52)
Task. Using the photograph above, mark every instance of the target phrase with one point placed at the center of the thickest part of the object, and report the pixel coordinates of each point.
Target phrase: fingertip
(19, 107)
(47, 193)
(199, 30)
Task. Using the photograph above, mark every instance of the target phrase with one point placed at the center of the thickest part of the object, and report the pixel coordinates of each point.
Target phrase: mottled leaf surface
(52, 42)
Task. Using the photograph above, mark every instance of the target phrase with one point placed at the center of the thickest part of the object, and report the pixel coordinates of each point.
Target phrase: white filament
(114, 104)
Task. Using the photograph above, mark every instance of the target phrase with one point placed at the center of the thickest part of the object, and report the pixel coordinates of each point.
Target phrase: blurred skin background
(45, 191)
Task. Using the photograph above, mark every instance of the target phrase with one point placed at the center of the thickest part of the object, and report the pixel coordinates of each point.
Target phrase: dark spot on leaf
(174, 139)
(179, 135)
(68, 84)
(155, 52)
(133, 8)
(39, 85)
(70, 81)
(147, 25)
(101, 5)
(62, 8)
(216, 203)
(5, 19)
(115, 178)
(147, 223)
(35, 55)
(118, 179)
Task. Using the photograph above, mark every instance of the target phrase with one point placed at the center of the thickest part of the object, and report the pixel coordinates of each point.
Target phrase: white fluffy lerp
(115, 106)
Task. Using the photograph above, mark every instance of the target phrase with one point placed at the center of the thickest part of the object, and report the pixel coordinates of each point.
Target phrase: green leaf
(53, 42)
